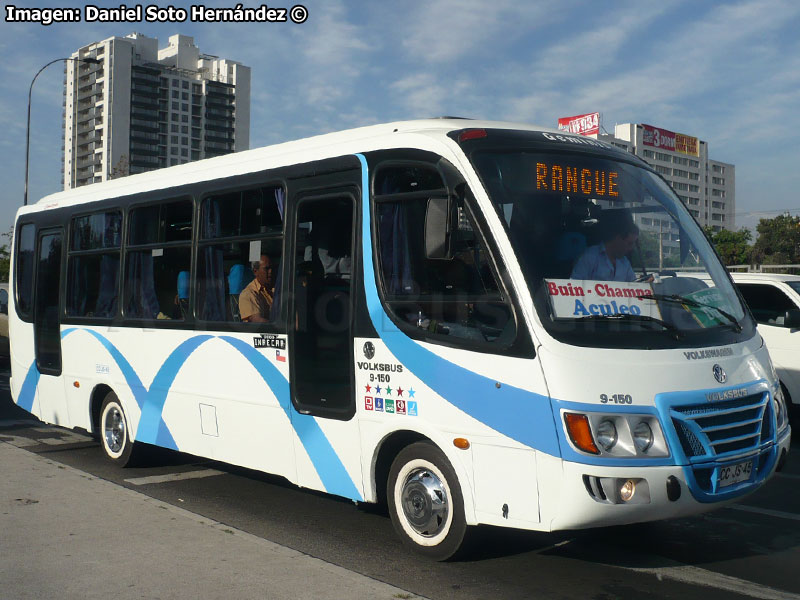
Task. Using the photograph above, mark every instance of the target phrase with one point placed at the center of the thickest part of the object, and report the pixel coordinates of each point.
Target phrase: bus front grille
(723, 429)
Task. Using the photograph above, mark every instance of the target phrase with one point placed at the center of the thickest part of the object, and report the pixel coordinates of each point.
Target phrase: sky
(726, 72)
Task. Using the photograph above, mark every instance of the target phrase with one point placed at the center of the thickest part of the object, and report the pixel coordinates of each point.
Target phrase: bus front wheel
(425, 501)
(115, 436)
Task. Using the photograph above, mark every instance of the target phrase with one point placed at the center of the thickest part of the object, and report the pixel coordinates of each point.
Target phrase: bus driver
(608, 260)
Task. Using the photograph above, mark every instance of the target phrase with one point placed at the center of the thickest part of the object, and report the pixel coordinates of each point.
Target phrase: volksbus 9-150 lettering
(474, 322)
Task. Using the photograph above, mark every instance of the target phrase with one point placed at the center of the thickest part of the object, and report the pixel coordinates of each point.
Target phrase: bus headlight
(642, 436)
(614, 435)
(606, 434)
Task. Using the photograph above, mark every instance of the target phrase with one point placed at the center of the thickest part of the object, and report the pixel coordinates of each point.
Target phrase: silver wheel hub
(114, 430)
(425, 503)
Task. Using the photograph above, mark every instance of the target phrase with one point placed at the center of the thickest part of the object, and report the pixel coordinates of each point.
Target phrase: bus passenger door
(47, 328)
(321, 347)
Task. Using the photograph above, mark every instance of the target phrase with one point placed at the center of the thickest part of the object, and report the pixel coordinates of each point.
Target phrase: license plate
(734, 473)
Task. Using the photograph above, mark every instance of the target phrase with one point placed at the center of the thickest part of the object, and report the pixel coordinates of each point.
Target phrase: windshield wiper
(694, 303)
(636, 318)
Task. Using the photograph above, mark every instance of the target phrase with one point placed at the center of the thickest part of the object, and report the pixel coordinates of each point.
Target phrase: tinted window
(103, 230)
(244, 212)
(157, 277)
(226, 290)
(157, 283)
(47, 331)
(767, 303)
(457, 297)
(25, 266)
(93, 265)
(161, 223)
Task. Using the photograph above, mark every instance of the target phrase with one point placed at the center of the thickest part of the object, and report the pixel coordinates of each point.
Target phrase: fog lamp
(627, 490)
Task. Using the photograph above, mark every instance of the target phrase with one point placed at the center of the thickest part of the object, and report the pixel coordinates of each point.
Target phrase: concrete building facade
(707, 187)
(142, 108)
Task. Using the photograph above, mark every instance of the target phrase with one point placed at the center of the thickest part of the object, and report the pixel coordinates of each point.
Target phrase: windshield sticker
(575, 299)
(711, 299)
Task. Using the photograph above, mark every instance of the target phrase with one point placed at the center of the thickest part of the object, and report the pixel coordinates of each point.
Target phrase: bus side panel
(24, 375)
(497, 473)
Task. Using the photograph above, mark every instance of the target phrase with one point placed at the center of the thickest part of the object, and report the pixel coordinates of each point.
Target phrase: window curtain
(78, 278)
(106, 305)
(142, 300)
(211, 288)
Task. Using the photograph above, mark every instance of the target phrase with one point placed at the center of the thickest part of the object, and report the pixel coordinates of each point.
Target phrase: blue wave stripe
(27, 393)
(152, 428)
(519, 414)
(134, 383)
(326, 462)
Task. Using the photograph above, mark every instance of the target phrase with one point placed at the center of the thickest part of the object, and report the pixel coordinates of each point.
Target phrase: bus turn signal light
(580, 433)
(461, 443)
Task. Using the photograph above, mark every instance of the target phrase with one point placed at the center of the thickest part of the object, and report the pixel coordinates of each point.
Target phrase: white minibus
(473, 322)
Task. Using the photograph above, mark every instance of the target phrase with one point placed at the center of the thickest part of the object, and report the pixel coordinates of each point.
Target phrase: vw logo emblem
(369, 350)
(719, 374)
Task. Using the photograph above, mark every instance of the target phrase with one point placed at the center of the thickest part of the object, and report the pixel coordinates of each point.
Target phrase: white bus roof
(362, 139)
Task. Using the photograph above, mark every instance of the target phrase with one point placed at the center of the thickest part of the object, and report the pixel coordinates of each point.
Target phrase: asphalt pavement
(67, 534)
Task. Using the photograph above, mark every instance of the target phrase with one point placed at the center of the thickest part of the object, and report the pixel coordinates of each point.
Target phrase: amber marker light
(580, 433)
(461, 443)
(76, 384)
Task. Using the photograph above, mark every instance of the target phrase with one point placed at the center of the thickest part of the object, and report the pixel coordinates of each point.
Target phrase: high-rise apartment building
(141, 108)
(707, 187)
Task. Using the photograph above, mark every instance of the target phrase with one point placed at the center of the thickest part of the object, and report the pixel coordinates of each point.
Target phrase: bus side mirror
(438, 227)
(792, 319)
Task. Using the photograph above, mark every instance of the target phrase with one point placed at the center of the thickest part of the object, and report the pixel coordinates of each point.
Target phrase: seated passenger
(608, 260)
(255, 301)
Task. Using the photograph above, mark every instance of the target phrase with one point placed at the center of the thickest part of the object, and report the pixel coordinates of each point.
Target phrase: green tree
(778, 241)
(732, 246)
(121, 169)
(5, 255)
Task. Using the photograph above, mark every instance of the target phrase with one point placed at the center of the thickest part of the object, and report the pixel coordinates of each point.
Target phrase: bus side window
(458, 297)
(26, 263)
(159, 250)
(93, 265)
(237, 228)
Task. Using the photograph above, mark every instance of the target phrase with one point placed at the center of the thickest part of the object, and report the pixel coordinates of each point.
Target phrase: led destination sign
(574, 180)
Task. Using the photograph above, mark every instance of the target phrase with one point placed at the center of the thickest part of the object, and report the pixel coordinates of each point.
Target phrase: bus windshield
(608, 251)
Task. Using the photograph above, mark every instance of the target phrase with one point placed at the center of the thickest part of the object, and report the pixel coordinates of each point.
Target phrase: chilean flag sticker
(279, 357)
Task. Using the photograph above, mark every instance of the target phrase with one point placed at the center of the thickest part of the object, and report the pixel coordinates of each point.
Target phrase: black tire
(425, 502)
(115, 436)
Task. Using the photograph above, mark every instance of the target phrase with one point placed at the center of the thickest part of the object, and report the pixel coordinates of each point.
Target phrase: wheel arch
(391, 445)
(99, 393)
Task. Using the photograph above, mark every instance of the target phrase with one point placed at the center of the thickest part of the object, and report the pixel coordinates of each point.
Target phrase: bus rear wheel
(115, 436)
(425, 502)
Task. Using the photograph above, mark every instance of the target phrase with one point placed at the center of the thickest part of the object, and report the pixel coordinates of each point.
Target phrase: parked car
(774, 301)
(5, 348)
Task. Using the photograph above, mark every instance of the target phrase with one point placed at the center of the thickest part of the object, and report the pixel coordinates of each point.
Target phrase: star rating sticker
(389, 391)
(378, 389)
(411, 393)
(399, 391)
(368, 388)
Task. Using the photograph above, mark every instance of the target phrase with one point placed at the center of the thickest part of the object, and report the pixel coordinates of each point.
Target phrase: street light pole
(28, 129)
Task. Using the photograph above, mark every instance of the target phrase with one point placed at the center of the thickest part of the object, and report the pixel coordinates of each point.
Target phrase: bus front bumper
(598, 496)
